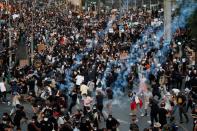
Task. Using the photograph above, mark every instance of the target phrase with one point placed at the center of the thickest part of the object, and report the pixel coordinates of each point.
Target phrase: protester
(181, 100)
(162, 115)
(83, 59)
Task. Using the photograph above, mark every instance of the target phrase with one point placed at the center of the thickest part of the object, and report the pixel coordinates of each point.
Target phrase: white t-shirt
(2, 87)
(84, 89)
(60, 121)
(79, 79)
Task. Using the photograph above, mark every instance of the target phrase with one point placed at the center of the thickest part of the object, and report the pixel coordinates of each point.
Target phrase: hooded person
(19, 116)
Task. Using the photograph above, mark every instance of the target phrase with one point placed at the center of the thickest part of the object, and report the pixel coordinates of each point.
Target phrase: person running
(3, 91)
(154, 110)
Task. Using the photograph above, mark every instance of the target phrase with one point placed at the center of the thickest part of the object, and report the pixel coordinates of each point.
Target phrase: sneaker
(142, 115)
(149, 122)
(136, 120)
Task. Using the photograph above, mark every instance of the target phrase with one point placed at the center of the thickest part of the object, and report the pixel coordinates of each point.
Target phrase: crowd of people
(87, 60)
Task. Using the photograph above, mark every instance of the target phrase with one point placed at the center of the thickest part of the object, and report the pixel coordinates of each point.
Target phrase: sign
(23, 63)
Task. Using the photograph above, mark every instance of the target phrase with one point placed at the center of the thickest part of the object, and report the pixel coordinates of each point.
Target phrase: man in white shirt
(79, 79)
(3, 90)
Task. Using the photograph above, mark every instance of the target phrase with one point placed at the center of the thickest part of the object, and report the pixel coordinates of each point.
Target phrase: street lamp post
(180, 49)
(150, 4)
(10, 34)
(32, 34)
(127, 5)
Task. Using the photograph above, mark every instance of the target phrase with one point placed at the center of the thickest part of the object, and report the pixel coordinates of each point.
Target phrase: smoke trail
(180, 21)
(79, 57)
(186, 11)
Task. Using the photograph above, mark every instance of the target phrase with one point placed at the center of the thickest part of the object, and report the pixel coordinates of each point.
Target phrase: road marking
(122, 121)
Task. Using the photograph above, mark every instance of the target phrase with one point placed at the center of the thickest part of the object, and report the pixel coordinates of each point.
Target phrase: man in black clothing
(73, 96)
(34, 125)
(46, 125)
(156, 91)
(99, 103)
(154, 110)
(162, 115)
(181, 101)
(19, 115)
(112, 123)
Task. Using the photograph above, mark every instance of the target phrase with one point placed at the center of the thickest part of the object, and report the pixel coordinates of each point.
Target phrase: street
(121, 111)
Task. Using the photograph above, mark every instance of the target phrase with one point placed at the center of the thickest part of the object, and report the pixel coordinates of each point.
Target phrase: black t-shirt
(19, 115)
(99, 99)
(112, 124)
(154, 107)
(48, 112)
(46, 126)
(33, 126)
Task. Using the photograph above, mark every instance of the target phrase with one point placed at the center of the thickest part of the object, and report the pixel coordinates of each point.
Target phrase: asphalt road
(121, 111)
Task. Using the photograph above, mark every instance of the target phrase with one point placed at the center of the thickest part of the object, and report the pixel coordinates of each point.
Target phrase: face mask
(110, 119)
(45, 119)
